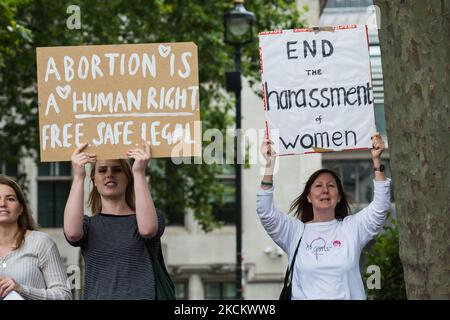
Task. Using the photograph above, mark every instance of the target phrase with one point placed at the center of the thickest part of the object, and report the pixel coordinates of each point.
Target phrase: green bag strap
(165, 288)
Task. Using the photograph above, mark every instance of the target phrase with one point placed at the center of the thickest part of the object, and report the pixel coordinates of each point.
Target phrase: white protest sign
(317, 89)
(113, 96)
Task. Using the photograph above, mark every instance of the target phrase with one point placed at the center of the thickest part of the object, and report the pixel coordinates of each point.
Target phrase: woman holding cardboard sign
(322, 241)
(115, 240)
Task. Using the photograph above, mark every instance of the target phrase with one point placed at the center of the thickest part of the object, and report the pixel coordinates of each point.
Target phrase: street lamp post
(238, 32)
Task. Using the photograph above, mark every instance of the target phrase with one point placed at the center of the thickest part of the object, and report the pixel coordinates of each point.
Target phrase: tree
(176, 187)
(415, 54)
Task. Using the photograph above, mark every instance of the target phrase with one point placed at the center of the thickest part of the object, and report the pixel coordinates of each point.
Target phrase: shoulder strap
(165, 288)
(290, 270)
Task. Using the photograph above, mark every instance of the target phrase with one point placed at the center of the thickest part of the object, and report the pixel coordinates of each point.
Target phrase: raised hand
(141, 156)
(377, 146)
(268, 152)
(80, 159)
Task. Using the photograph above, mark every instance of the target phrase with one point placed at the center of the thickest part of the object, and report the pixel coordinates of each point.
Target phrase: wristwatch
(380, 168)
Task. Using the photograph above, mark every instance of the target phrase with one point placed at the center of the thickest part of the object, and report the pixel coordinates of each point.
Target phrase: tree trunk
(414, 40)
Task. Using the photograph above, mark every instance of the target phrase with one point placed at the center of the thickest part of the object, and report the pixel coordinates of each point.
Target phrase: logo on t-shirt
(319, 246)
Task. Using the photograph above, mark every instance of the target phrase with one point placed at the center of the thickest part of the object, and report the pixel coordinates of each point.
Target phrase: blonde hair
(25, 221)
(95, 201)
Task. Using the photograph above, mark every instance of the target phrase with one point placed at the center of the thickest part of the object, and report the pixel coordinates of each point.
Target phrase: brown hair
(95, 201)
(303, 209)
(25, 221)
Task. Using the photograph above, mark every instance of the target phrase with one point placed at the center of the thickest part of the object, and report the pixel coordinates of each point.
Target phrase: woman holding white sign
(114, 241)
(30, 265)
(323, 242)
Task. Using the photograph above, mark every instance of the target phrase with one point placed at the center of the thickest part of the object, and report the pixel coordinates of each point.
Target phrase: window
(378, 89)
(348, 3)
(8, 168)
(54, 181)
(356, 177)
(181, 291)
(220, 290)
(227, 212)
(8, 163)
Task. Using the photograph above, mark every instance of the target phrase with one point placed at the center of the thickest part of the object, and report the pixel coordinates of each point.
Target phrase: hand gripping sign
(113, 96)
(317, 88)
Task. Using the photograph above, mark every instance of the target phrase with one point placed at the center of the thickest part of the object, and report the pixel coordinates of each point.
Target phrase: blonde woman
(30, 264)
(114, 240)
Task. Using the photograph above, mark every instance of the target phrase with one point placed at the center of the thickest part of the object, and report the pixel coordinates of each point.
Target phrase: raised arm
(145, 209)
(370, 220)
(377, 150)
(278, 225)
(270, 157)
(73, 212)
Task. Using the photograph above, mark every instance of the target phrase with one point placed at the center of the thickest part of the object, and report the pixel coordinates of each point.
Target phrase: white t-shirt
(327, 262)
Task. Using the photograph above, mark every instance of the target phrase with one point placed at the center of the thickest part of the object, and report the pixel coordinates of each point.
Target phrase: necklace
(4, 258)
(3, 261)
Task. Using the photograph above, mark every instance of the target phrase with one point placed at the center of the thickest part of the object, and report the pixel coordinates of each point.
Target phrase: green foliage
(384, 253)
(27, 24)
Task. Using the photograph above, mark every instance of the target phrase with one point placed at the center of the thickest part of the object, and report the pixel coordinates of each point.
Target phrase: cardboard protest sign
(113, 96)
(317, 89)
